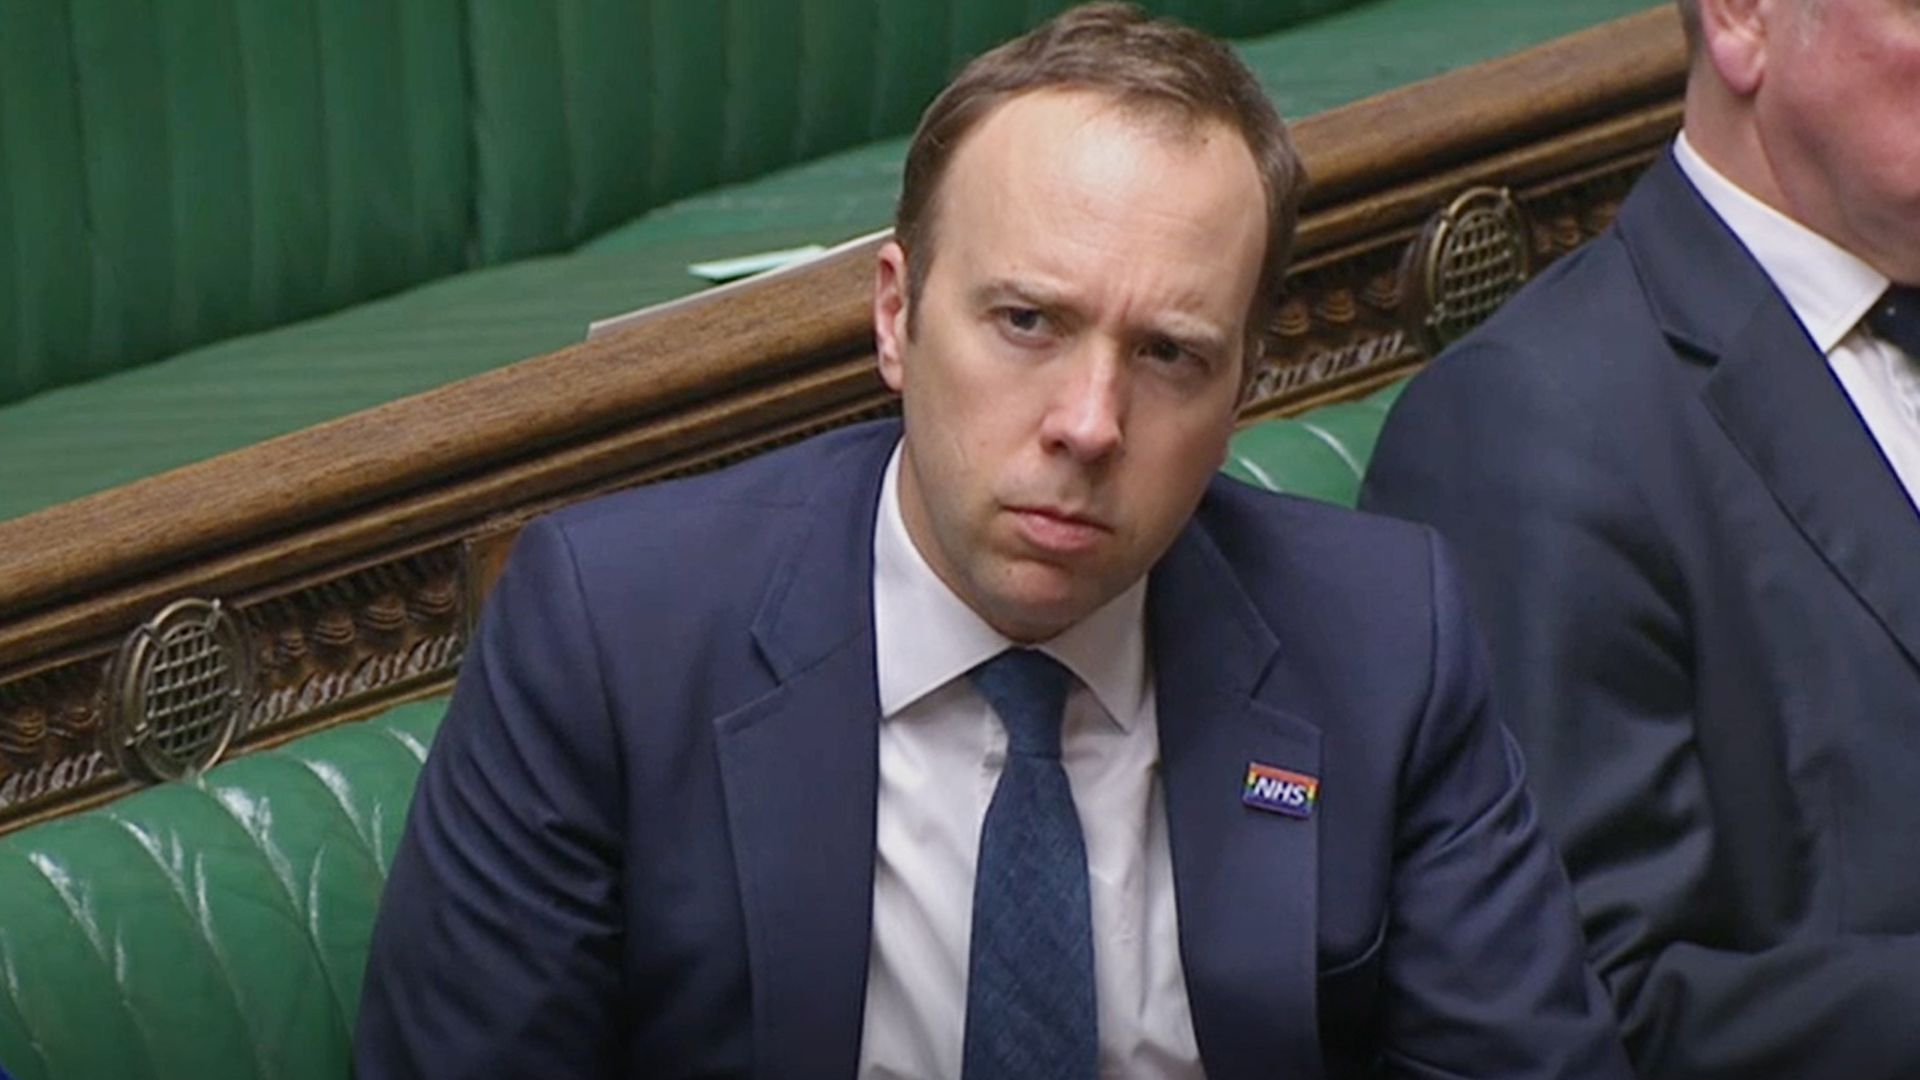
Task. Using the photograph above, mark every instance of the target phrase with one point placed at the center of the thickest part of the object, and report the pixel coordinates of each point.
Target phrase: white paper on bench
(602, 327)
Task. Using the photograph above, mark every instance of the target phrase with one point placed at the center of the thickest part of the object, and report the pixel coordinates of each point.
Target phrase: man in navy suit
(1006, 740)
(1681, 472)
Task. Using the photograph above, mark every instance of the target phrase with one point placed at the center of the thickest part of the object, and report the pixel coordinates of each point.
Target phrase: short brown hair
(1151, 64)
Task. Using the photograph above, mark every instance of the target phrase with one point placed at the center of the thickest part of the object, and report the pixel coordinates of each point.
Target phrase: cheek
(1876, 90)
(1899, 122)
(1171, 481)
(959, 465)
(1875, 160)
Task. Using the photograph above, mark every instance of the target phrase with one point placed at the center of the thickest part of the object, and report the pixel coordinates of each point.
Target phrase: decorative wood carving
(1577, 209)
(355, 552)
(1350, 323)
(364, 636)
(1339, 324)
(52, 737)
(341, 646)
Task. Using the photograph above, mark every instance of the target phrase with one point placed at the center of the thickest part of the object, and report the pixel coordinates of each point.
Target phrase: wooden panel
(355, 553)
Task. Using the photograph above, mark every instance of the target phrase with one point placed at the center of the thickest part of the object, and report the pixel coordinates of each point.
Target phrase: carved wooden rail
(334, 571)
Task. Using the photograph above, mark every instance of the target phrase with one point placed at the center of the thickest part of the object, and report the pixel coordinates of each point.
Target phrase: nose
(1087, 417)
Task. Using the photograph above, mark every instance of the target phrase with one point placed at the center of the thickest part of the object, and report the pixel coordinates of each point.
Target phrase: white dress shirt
(941, 752)
(1830, 290)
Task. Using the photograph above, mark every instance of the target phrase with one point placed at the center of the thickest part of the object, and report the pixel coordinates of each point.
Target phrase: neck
(1721, 129)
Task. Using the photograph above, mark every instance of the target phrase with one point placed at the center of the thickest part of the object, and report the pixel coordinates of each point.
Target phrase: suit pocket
(1350, 1005)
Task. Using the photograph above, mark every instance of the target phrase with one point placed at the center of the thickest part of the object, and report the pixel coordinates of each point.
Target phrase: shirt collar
(1828, 287)
(925, 636)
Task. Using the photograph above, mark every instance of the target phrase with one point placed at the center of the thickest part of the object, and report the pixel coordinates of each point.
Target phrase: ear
(1733, 38)
(890, 314)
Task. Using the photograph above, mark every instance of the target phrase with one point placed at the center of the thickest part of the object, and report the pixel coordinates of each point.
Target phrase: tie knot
(1028, 691)
(1896, 317)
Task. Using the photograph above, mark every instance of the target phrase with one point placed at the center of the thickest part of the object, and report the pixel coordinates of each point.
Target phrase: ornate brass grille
(1470, 258)
(183, 680)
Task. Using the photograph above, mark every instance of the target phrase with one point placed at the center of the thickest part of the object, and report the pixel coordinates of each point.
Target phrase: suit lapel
(1245, 880)
(1777, 399)
(1779, 402)
(800, 771)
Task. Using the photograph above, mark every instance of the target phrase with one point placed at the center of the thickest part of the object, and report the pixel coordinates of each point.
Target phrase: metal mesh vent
(1470, 259)
(182, 683)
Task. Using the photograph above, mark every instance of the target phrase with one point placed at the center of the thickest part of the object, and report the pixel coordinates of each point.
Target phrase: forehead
(1083, 186)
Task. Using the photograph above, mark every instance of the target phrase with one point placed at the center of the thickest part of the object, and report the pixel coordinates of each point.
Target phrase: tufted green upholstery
(212, 929)
(219, 929)
(566, 96)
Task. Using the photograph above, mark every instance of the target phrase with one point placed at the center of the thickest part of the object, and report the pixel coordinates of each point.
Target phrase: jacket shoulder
(1301, 557)
(734, 506)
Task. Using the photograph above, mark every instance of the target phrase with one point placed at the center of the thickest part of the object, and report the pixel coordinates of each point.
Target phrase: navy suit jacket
(643, 842)
(1700, 581)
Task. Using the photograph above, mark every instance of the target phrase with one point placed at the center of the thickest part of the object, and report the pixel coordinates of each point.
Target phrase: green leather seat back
(589, 112)
(1321, 454)
(173, 171)
(215, 929)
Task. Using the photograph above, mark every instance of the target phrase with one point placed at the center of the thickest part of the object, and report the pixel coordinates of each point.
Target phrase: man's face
(1073, 367)
(1838, 112)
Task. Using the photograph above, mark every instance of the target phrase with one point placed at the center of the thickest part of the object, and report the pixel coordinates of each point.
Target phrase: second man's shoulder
(1584, 331)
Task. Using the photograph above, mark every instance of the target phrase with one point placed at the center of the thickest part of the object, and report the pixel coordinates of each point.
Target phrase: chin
(1038, 612)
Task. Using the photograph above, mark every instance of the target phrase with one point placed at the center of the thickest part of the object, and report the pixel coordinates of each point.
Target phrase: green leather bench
(218, 928)
(222, 223)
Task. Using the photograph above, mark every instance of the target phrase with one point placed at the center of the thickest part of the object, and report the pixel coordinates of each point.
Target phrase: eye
(1022, 322)
(1166, 352)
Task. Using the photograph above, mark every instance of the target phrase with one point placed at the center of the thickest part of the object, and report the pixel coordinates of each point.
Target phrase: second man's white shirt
(1830, 290)
(941, 752)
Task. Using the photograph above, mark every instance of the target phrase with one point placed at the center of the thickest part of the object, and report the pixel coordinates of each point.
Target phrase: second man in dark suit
(1681, 471)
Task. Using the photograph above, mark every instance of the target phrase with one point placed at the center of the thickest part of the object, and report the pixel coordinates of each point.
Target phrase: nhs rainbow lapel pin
(1279, 791)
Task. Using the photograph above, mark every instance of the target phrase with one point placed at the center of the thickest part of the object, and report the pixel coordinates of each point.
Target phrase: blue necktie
(1030, 1007)
(1896, 318)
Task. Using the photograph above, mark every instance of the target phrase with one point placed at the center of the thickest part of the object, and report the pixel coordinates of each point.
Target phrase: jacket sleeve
(1586, 614)
(1485, 972)
(495, 952)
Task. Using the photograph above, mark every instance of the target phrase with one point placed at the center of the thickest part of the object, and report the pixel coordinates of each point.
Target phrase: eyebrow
(1192, 334)
(1025, 292)
(1196, 336)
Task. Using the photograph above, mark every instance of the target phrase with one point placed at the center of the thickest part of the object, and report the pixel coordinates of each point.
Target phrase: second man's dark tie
(1896, 318)
(1030, 998)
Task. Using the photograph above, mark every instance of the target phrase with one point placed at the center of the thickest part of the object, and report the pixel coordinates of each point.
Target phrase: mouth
(1058, 532)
